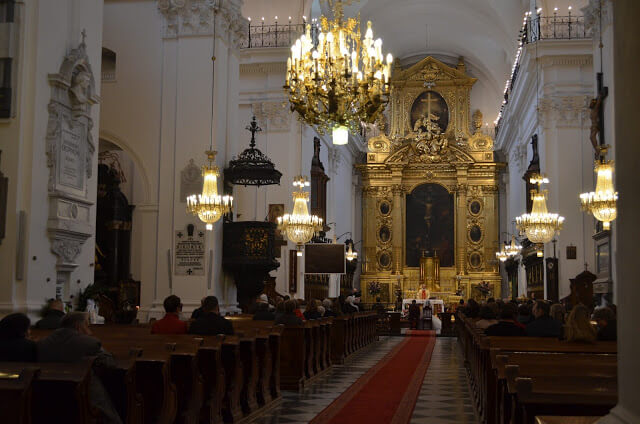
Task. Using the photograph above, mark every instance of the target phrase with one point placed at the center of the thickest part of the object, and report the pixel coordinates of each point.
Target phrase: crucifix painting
(429, 225)
(429, 107)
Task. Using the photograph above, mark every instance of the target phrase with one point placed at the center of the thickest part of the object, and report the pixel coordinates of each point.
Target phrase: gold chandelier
(509, 250)
(336, 80)
(539, 226)
(351, 254)
(209, 206)
(299, 226)
(602, 203)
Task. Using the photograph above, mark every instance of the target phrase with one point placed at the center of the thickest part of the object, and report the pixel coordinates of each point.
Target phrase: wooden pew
(59, 390)
(15, 394)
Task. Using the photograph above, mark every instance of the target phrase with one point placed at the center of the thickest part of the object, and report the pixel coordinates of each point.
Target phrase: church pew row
(494, 402)
(45, 390)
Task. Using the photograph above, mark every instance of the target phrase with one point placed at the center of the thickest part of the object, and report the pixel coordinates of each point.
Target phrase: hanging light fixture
(351, 254)
(539, 226)
(336, 80)
(602, 202)
(209, 206)
(299, 226)
(509, 250)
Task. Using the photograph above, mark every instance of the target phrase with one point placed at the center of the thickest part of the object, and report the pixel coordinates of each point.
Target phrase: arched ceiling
(484, 32)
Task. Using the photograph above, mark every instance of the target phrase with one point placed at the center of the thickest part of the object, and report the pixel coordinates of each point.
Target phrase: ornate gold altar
(430, 191)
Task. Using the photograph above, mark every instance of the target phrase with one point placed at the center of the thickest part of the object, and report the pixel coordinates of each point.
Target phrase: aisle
(303, 407)
(444, 397)
(388, 391)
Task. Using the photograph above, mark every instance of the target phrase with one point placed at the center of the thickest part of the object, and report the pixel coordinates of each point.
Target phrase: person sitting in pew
(578, 327)
(506, 326)
(525, 314)
(543, 325)
(297, 310)
(14, 343)
(487, 317)
(170, 323)
(349, 306)
(263, 313)
(52, 316)
(328, 308)
(557, 312)
(211, 322)
(311, 311)
(288, 317)
(73, 342)
(606, 324)
(197, 313)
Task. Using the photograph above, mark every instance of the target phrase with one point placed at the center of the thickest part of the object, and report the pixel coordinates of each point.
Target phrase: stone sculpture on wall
(70, 150)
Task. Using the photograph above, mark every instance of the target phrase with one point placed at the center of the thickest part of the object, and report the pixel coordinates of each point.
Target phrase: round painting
(384, 234)
(385, 260)
(385, 208)
(475, 259)
(429, 104)
(475, 207)
(475, 233)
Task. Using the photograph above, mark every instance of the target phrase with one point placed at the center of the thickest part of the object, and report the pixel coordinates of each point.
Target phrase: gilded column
(397, 237)
(368, 232)
(461, 222)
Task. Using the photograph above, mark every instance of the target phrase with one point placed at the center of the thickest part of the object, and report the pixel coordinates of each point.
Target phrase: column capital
(195, 18)
(398, 189)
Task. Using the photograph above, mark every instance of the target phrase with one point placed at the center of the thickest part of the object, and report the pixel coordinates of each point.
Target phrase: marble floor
(444, 397)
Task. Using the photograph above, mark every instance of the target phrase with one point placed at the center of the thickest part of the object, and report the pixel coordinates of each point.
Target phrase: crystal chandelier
(335, 80)
(602, 203)
(299, 226)
(509, 250)
(351, 254)
(539, 226)
(209, 206)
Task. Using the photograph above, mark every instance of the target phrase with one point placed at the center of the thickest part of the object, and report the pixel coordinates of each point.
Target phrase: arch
(450, 190)
(112, 138)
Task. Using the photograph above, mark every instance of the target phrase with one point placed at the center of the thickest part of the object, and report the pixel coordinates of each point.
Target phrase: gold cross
(428, 101)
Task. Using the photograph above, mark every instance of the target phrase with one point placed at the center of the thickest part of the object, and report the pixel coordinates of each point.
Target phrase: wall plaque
(189, 251)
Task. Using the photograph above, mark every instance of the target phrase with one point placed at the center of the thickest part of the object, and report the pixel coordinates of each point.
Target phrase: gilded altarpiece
(431, 159)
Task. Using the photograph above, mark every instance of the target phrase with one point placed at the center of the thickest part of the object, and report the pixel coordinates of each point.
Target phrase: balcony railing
(554, 28)
(275, 35)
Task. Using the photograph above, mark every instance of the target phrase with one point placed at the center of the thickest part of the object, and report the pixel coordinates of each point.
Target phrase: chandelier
(539, 226)
(509, 250)
(602, 203)
(299, 226)
(351, 254)
(335, 80)
(209, 206)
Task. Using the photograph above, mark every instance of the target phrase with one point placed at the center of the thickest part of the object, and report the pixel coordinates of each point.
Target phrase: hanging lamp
(209, 206)
(539, 226)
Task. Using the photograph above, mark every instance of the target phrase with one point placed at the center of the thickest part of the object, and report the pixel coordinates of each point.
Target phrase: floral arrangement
(484, 288)
(374, 288)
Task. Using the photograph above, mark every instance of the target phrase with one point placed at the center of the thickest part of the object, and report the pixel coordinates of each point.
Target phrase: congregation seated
(197, 313)
(52, 316)
(543, 325)
(349, 306)
(211, 322)
(607, 325)
(507, 325)
(297, 310)
(288, 316)
(557, 312)
(15, 345)
(328, 308)
(578, 327)
(263, 313)
(487, 317)
(525, 314)
(311, 312)
(72, 342)
(170, 323)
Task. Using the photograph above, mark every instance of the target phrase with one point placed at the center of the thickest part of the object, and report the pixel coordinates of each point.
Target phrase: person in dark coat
(543, 325)
(506, 325)
(311, 311)
(414, 314)
(72, 342)
(14, 343)
(211, 323)
(263, 313)
(607, 324)
(197, 313)
(288, 317)
(52, 316)
(328, 308)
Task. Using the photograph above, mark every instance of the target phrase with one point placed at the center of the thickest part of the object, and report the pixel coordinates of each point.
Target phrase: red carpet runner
(387, 392)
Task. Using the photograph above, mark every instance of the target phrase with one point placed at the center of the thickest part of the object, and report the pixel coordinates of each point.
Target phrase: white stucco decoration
(70, 149)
